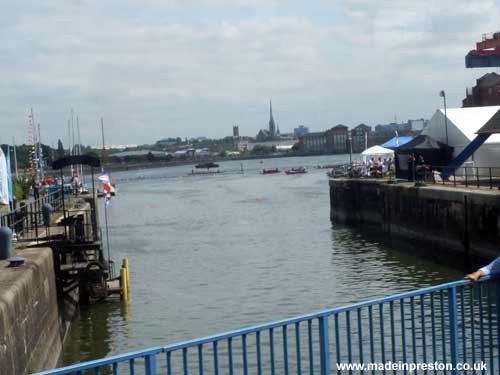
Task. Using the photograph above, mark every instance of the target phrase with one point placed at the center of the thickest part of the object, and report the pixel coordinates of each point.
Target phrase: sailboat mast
(79, 148)
(69, 137)
(105, 208)
(15, 157)
(103, 153)
(35, 144)
(40, 154)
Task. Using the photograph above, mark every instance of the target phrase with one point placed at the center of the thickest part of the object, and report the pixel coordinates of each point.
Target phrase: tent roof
(470, 120)
(396, 142)
(423, 142)
(377, 150)
(492, 126)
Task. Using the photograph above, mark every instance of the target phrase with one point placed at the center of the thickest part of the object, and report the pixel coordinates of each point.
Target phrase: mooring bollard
(123, 284)
(47, 214)
(125, 265)
(5, 243)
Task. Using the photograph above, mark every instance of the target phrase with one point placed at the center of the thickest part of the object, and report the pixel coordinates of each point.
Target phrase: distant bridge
(451, 324)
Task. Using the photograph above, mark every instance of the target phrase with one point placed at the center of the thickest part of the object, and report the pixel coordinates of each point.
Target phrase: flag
(4, 181)
(106, 187)
(9, 176)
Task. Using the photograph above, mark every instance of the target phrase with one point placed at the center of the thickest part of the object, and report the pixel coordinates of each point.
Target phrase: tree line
(48, 154)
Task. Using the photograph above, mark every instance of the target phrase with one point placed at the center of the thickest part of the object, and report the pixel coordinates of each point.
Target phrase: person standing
(36, 189)
(411, 167)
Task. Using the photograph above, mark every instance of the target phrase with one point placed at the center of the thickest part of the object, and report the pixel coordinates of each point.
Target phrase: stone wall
(436, 220)
(30, 331)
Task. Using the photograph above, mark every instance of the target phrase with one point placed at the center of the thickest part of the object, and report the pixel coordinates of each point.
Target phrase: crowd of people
(378, 167)
(41, 186)
(373, 167)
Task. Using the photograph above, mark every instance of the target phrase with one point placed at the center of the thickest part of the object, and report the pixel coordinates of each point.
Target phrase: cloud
(156, 68)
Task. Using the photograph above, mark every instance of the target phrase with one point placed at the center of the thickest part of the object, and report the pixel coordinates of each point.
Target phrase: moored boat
(296, 170)
(207, 165)
(270, 171)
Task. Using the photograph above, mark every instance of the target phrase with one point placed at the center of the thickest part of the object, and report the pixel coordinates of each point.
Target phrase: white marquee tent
(462, 125)
(377, 152)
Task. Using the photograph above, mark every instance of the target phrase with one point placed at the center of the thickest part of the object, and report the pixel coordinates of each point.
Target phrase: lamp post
(442, 94)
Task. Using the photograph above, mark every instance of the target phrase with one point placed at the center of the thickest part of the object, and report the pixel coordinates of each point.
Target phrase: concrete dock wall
(436, 220)
(30, 332)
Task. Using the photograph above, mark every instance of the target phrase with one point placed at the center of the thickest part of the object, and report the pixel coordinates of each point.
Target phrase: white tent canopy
(460, 128)
(378, 152)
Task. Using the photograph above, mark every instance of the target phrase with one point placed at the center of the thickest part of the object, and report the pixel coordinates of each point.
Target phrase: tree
(60, 149)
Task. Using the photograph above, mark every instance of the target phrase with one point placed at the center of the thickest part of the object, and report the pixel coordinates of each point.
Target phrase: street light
(443, 95)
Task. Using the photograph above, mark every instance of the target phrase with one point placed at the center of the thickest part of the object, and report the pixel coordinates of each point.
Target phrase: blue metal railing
(449, 323)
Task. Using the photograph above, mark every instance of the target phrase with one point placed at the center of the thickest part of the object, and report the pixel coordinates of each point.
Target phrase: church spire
(272, 125)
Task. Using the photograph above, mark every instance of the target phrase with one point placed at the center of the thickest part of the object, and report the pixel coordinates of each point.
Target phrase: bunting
(106, 187)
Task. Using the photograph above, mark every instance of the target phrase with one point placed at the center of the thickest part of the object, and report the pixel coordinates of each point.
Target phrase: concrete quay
(458, 225)
(31, 332)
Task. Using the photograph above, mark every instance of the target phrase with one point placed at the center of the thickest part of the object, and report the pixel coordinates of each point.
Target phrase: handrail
(444, 318)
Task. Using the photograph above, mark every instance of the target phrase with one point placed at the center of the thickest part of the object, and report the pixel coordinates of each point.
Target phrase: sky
(185, 68)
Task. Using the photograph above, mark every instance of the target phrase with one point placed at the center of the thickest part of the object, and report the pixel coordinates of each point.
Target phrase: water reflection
(211, 254)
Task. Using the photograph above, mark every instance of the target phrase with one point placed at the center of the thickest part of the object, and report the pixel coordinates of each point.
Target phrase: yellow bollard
(125, 265)
(123, 283)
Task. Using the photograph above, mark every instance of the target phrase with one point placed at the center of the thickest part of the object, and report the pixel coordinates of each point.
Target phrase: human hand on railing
(474, 276)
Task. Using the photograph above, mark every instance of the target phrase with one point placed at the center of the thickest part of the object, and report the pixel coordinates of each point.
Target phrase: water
(219, 252)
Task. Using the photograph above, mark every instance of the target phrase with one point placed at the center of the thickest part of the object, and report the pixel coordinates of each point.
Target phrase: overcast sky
(167, 68)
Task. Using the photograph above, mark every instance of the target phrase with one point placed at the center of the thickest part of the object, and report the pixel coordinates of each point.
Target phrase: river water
(218, 252)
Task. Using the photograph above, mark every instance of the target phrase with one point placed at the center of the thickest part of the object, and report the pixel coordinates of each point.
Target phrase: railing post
(324, 345)
(452, 308)
(150, 362)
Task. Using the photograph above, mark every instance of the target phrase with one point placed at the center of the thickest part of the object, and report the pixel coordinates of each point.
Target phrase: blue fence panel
(450, 323)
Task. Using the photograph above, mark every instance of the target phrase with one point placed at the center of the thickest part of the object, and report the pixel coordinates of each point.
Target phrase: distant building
(337, 139)
(416, 126)
(313, 143)
(331, 141)
(168, 142)
(263, 135)
(287, 137)
(485, 93)
(300, 131)
(393, 127)
(272, 133)
(242, 146)
(360, 136)
(236, 131)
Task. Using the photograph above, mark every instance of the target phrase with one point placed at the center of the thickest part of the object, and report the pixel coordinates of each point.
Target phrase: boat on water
(206, 165)
(326, 166)
(270, 171)
(299, 170)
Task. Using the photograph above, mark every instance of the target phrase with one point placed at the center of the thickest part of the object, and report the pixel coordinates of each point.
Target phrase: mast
(40, 154)
(105, 208)
(32, 144)
(69, 145)
(79, 148)
(69, 137)
(15, 157)
(103, 152)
